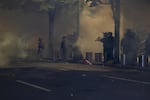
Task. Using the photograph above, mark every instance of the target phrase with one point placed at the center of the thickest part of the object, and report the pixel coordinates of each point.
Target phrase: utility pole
(117, 31)
(78, 18)
(51, 15)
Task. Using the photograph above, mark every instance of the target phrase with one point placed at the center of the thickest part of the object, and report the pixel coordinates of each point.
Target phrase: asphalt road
(73, 82)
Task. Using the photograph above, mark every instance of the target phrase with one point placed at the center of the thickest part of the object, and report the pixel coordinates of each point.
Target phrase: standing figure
(147, 45)
(108, 45)
(63, 48)
(40, 47)
(129, 47)
(105, 47)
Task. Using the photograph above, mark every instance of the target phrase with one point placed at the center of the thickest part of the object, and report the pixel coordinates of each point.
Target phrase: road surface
(64, 81)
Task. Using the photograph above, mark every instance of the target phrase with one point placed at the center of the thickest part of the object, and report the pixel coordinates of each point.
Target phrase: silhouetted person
(63, 48)
(147, 45)
(71, 39)
(129, 47)
(108, 45)
(40, 47)
(93, 2)
(105, 47)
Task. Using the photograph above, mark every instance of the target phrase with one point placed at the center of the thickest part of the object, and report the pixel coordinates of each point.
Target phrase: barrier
(142, 60)
(98, 57)
(89, 56)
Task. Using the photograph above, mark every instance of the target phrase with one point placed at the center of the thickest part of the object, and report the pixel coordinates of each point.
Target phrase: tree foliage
(51, 4)
(34, 5)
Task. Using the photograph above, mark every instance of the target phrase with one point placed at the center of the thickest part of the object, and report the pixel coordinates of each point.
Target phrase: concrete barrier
(142, 60)
(89, 56)
(98, 57)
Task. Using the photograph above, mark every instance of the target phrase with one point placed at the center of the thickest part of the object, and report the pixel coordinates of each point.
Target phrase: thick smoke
(93, 22)
(11, 48)
(136, 16)
(65, 23)
(25, 27)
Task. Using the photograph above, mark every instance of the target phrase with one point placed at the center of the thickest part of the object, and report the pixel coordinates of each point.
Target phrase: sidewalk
(72, 66)
(120, 66)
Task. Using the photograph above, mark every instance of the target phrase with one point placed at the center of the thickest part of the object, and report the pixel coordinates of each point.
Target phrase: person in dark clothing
(145, 51)
(108, 45)
(129, 47)
(63, 48)
(105, 47)
(40, 47)
(147, 45)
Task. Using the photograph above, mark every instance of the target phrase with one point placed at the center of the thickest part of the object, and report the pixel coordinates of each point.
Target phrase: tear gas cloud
(136, 16)
(65, 24)
(93, 22)
(11, 48)
(24, 28)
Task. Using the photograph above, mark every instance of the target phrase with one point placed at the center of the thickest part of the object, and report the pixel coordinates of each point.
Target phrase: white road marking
(125, 79)
(33, 85)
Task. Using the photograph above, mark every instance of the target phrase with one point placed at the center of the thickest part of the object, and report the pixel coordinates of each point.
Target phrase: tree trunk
(51, 14)
(117, 31)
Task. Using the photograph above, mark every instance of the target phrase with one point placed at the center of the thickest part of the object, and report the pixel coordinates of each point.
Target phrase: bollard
(98, 57)
(143, 64)
(138, 61)
(142, 61)
(89, 56)
(124, 59)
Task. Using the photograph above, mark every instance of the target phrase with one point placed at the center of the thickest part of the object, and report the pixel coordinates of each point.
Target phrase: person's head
(109, 34)
(148, 34)
(39, 39)
(105, 34)
(130, 33)
(64, 38)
